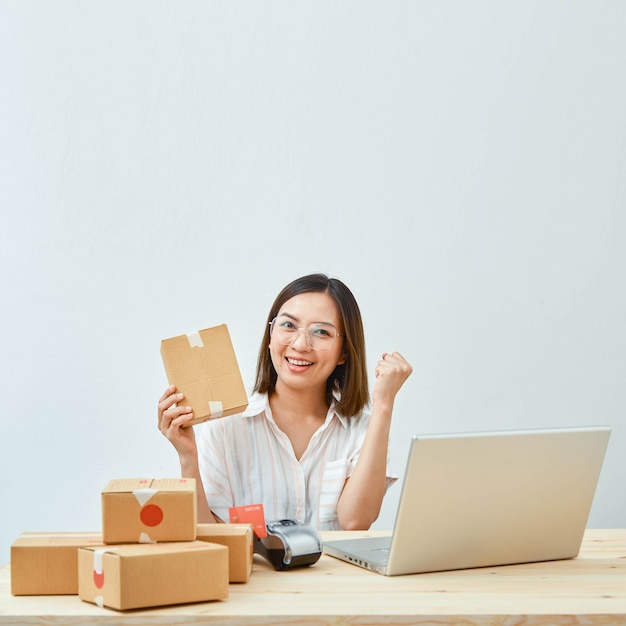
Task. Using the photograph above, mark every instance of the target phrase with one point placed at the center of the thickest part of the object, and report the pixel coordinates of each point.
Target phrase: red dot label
(98, 579)
(151, 515)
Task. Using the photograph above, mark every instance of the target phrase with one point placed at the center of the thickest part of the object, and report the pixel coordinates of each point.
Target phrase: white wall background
(165, 166)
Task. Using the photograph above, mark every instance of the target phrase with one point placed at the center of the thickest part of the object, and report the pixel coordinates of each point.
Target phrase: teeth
(295, 362)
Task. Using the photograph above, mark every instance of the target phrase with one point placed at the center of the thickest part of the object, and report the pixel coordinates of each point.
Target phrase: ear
(343, 357)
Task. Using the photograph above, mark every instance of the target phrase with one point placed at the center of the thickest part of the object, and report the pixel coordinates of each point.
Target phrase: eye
(285, 324)
(320, 331)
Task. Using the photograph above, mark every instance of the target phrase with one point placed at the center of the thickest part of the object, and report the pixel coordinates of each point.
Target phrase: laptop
(485, 499)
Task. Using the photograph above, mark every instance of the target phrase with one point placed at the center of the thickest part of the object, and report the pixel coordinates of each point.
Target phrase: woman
(305, 448)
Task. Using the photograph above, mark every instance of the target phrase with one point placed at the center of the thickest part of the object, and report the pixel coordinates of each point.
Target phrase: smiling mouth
(298, 362)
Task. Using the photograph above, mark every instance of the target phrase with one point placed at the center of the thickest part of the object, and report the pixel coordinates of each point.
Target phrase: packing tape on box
(97, 560)
(98, 572)
(194, 339)
(145, 538)
(216, 408)
(143, 495)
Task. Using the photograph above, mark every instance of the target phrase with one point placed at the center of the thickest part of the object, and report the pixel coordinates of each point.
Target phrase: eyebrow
(295, 319)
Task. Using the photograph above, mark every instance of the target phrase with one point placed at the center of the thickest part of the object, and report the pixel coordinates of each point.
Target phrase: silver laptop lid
(493, 498)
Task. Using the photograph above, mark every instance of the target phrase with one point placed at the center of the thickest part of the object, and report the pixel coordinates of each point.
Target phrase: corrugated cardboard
(134, 576)
(238, 538)
(47, 563)
(204, 368)
(145, 510)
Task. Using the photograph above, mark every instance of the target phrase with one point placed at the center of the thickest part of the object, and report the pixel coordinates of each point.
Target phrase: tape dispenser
(289, 543)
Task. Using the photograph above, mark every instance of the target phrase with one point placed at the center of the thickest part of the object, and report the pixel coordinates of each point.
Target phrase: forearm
(172, 418)
(360, 502)
(190, 469)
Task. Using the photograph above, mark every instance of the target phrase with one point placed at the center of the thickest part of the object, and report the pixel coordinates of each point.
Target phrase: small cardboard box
(47, 563)
(238, 538)
(204, 369)
(145, 510)
(133, 576)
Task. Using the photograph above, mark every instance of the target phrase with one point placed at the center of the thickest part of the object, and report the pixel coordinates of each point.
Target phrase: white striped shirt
(246, 459)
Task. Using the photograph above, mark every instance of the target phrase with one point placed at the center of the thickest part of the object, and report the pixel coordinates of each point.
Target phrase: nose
(301, 341)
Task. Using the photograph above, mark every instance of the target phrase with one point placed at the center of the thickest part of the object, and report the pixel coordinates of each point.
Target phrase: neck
(299, 401)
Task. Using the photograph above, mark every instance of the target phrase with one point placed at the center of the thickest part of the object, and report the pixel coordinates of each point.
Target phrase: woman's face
(298, 365)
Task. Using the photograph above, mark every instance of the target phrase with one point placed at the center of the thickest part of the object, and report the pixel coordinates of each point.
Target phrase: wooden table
(590, 589)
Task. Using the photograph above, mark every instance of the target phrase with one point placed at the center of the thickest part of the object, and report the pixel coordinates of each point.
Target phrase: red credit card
(249, 514)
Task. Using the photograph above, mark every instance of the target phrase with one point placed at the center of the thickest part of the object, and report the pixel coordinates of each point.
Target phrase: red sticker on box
(98, 579)
(250, 514)
(151, 515)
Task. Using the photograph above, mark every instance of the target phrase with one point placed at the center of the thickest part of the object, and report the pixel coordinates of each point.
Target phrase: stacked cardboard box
(151, 551)
(144, 510)
(132, 576)
(46, 563)
(151, 557)
(239, 539)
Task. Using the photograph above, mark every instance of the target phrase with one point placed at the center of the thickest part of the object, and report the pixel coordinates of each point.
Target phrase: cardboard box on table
(133, 576)
(204, 368)
(146, 510)
(239, 539)
(47, 563)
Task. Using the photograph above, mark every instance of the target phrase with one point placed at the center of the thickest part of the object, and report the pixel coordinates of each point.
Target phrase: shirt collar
(332, 412)
(259, 403)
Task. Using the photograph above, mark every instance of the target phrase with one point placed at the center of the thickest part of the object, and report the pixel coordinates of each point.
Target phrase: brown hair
(348, 382)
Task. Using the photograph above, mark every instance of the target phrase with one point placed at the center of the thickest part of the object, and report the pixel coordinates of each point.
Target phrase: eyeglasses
(318, 336)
